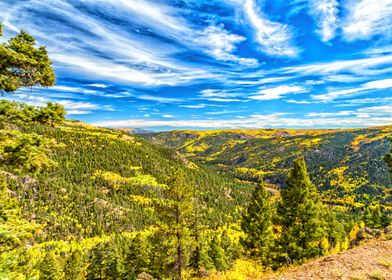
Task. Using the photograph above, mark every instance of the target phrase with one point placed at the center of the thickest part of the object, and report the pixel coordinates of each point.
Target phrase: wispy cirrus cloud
(367, 18)
(364, 101)
(275, 38)
(360, 66)
(151, 58)
(325, 13)
(346, 93)
(278, 92)
(72, 106)
(361, 113)
(221, 95)
(102, 48)
(221, 44)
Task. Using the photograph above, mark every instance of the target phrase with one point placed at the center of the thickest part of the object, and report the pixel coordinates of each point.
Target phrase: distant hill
(346, 164)
(136, 130)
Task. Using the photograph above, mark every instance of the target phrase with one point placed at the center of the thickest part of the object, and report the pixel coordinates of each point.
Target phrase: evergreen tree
(200, 260)
(232, 249)
(113, 260)
(137, 258)
(301, 217)
(373, 216)
(176, 212)
(217, 255)
(22, 64)
(95, 269)
(257, 224)
(388, 158)
(75, 266)
(51, 113)
(50, 268)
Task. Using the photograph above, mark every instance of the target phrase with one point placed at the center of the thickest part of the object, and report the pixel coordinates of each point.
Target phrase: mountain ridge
(343, 162)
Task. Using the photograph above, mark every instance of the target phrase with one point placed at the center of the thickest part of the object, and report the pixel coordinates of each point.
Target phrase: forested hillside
(75, 181)
(346, 165)
(81, 202)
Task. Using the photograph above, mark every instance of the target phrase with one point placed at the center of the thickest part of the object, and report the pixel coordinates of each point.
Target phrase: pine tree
(373, 216)
(257, 224)
(232, 249)
(50, 268)
(200, 260)
(23, 64)
(95, 270)
(217, 255)
(176, 213)
(388, 158)
(301, 217)
(75, 266)
(113, 260)
(137, 257)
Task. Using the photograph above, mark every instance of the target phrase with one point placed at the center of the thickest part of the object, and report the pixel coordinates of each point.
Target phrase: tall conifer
(388, 158)
(301, 217)
(257, 224)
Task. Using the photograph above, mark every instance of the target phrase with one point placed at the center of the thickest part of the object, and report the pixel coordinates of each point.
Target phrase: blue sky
(208, 64)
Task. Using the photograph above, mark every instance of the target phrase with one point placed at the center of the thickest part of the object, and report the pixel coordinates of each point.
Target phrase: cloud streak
(274, 38)
(149, 59)
(367, 18)
(278, 92)
(346, 93)
(325, 13)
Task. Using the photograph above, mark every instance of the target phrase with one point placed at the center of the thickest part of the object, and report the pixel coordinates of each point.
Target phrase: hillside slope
(103, 181)
(369, 261)
(346, 164)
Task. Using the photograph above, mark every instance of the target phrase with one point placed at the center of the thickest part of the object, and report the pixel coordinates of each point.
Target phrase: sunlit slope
(346, 165)
(105, 179)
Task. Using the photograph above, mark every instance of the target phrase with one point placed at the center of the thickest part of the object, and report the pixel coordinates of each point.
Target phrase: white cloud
(217, 95)
(277, 92)
(275, 38)
(72, 89)
(129, 57)
(217, 99)
(196, 106)
(373, 85)
(99, 85)
(325, 13)
(363, 66)
(366, 112)
(379, 84)
(273, 80)
(71, 105)
(221, 44)
(224, 112)
(299, 101)
(158, 98)
(371, 116)
(78, 112)
(331, 114)
(367, 18)
(356, 102)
